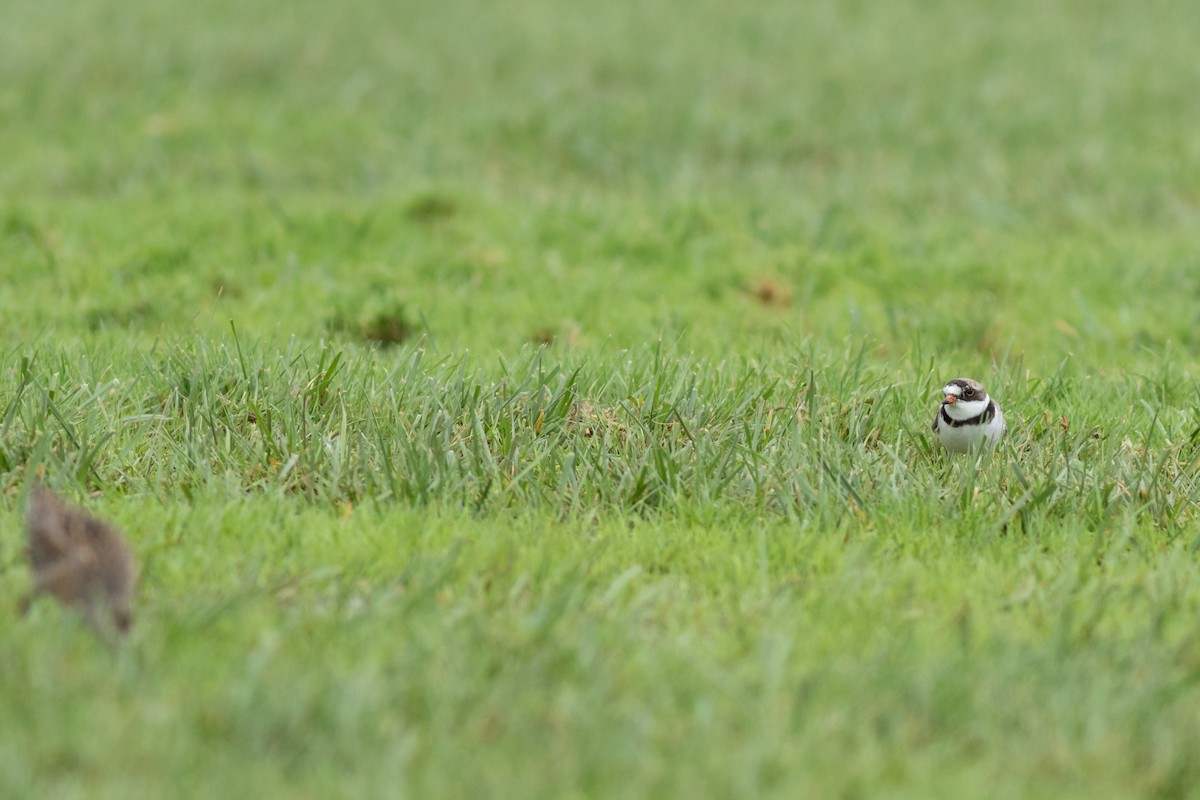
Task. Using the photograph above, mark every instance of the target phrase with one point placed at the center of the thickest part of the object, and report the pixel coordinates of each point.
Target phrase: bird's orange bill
(951, 398)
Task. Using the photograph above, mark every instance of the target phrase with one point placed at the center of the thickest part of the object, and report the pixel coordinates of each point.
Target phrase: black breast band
(984, 416)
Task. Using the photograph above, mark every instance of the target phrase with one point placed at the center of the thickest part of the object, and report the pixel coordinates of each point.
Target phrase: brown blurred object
(82, 561)
(770, 292)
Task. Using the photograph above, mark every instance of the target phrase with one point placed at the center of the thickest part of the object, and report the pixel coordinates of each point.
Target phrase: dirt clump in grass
(769, 292)
(544, 336)
(592, 420)
(429, 208)
(386, 328)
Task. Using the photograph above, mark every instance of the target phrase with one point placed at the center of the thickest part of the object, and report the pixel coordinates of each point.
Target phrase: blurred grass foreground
(532, 399)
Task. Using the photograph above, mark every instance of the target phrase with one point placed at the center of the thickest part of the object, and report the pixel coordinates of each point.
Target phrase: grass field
(533, 399)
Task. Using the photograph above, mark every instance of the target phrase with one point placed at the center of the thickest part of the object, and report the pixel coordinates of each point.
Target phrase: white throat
(965, 409)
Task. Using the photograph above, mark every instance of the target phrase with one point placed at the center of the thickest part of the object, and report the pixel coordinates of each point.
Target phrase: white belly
(966, 438)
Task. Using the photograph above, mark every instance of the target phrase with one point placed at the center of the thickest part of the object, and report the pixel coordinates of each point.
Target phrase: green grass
(533, 401)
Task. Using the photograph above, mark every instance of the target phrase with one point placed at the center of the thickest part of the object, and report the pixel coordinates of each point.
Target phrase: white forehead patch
(950, 388)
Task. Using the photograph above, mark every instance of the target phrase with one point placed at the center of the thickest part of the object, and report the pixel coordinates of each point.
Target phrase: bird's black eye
(969, 392)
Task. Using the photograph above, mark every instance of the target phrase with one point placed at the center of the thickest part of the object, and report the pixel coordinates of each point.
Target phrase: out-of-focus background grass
(986, 179)
(532, 399)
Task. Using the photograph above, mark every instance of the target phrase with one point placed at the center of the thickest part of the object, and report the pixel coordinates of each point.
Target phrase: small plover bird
(83, 562)
(968, 419)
